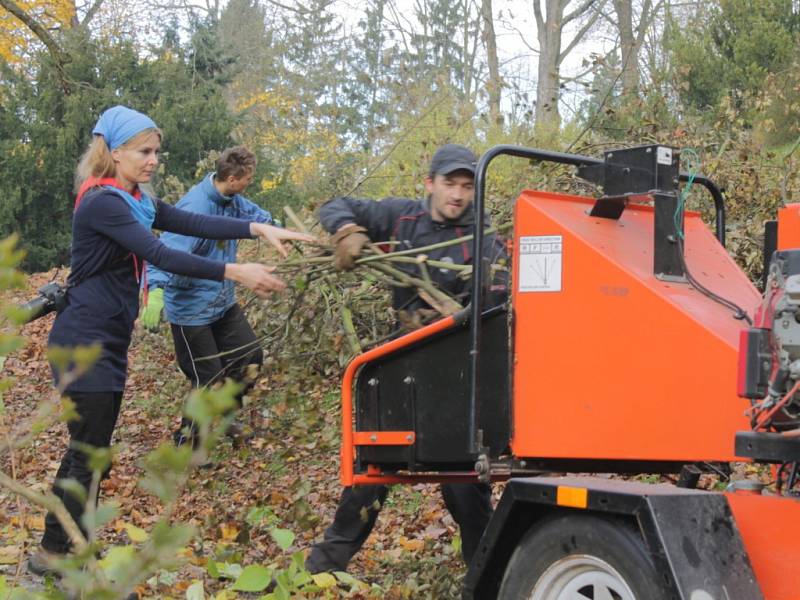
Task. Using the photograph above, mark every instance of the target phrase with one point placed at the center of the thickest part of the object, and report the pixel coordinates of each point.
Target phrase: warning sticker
(540, 262)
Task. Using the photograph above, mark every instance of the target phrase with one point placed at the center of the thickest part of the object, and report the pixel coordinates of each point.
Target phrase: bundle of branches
(333, 314)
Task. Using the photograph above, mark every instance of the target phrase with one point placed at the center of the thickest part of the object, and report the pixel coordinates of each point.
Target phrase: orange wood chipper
(632, 343)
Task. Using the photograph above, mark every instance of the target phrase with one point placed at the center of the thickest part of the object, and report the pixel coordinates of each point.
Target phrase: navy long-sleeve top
(104, 290)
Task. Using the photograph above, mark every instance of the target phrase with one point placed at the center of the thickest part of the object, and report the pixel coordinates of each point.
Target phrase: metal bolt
(372, 381)
(409, 438)
(373, 438)
(408, 380)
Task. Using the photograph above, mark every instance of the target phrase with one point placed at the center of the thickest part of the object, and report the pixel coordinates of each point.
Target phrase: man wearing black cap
(445, 215)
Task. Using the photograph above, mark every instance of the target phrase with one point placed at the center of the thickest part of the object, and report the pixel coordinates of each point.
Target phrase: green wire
(693, 167)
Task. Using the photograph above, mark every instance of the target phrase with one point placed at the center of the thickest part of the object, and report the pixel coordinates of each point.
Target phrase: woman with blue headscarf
(111, 240)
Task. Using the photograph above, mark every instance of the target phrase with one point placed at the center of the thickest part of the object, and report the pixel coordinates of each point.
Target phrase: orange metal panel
(789, 227)
(383, 438)
(770, 528)
(610, 362)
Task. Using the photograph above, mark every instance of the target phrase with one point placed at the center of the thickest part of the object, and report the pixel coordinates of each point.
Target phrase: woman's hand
(274, 235)
(256, 277)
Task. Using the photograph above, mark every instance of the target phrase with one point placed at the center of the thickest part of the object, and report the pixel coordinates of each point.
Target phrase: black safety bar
(477, 249)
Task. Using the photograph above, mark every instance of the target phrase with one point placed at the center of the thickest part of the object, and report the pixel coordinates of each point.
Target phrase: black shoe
(314, 569)
(41, 563)
(186, 434)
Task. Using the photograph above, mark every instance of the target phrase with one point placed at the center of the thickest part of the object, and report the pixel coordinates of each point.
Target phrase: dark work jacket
(409, 222)
(103, 297)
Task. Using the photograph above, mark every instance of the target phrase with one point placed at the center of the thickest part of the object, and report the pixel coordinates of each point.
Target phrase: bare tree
(550, 26)
(631, 38)
(493, 84)
(440, 39)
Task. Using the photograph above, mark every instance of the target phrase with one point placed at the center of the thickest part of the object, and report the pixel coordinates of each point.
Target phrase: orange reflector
(571, 496)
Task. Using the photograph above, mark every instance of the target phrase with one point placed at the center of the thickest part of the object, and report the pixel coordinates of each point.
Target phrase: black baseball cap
(453, 157)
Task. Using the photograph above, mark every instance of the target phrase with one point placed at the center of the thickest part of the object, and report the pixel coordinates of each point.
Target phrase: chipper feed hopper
(632, 343)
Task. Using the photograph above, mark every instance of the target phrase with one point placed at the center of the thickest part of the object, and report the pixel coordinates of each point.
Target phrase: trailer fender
(690, 536)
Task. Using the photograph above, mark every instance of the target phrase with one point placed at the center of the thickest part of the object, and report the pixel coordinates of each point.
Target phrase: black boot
(187, 433)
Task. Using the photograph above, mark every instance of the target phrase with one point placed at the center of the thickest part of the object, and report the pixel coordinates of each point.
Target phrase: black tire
(568, 541)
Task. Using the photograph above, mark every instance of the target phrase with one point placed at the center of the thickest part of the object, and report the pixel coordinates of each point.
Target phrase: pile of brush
(329, 314)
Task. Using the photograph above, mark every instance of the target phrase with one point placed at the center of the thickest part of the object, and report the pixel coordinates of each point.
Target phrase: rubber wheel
(581, 557)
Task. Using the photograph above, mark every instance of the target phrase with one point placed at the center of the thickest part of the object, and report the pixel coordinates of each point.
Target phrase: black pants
(469, 503)
(97, 416)
(231, 336)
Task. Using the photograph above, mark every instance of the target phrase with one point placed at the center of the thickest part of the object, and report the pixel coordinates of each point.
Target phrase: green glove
(151, 314)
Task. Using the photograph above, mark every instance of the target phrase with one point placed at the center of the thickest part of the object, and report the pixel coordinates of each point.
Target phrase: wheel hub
(581, 577)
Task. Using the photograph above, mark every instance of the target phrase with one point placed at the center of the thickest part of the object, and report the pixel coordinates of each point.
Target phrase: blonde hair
(97, 160)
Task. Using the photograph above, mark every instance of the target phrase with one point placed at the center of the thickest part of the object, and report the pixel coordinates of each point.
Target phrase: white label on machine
(540, 263)
(664, 155)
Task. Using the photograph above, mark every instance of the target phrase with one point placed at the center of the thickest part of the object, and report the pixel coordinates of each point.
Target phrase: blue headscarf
(119, 123)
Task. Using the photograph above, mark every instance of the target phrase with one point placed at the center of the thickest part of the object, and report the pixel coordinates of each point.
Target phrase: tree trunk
(465, 54)
(493, 85)
(550, 28)
(628, 47)
(549, 31)
(631, 39)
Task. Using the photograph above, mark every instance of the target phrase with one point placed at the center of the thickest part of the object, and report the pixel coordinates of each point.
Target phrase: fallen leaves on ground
(286, 478)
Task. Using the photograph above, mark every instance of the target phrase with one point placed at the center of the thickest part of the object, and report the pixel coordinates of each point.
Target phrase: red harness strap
(93, 182)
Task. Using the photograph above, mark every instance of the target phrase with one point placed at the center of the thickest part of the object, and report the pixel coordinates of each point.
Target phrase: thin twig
(51, 503)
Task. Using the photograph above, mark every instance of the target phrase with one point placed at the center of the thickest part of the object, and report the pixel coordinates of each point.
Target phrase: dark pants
(97, 416)
(469, 503)
(231, 336)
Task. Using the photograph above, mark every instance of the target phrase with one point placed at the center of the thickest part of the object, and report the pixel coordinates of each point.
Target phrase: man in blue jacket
(205, 318)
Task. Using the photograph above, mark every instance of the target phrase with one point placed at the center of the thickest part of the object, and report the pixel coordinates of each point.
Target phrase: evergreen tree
(727, 48)
(45, 130)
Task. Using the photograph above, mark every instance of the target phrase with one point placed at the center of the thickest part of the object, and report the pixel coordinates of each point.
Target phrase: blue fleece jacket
(191, 301)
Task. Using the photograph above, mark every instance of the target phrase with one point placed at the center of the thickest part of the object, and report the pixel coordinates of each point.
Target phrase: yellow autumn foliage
(16, 40)
(301, 148)
(269, 184)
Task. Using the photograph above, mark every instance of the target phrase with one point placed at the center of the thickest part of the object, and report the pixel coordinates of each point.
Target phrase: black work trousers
(469, 503)
(229, 340)
(97, 417)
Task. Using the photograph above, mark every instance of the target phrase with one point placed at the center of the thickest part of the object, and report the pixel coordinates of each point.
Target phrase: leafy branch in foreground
(96, 569)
